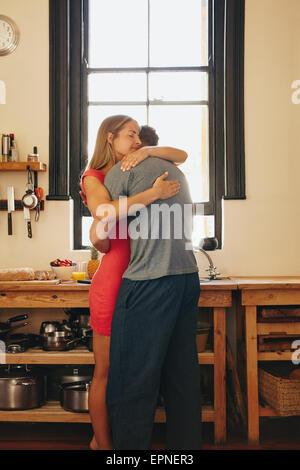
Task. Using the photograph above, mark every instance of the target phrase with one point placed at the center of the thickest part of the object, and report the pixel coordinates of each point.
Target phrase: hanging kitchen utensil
(39, 194)
(27, 218)
(10, 207)
(30, 199)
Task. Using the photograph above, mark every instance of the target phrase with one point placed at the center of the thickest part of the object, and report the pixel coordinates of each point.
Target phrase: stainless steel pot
(49, 327)
(78, 318)
(74, 396)
(21, 388)
(58, 375)
(58, 341)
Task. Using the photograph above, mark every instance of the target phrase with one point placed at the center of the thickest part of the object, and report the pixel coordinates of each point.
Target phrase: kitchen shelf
(255, 293)
(275, 355)
(216, 295)
(52, 412)
(267, 411)
(79, 355)
(22, 166)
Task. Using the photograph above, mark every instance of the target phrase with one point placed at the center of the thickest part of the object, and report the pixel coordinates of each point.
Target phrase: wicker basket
(281, 393)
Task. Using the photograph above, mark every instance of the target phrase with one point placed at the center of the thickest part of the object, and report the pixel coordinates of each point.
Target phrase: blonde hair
(103, 152)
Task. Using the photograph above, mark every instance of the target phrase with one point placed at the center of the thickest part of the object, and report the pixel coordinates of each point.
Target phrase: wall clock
(9, 35)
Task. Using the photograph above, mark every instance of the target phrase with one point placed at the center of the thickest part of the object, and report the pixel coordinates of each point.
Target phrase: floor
(275, 434)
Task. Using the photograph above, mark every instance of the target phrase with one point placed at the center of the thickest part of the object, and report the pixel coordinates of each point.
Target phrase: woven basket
(281, 393)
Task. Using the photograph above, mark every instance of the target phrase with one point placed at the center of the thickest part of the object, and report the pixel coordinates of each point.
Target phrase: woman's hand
(165, 189)
(134, 158)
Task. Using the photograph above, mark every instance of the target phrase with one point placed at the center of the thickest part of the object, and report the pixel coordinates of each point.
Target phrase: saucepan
(58, 375)
(21, 388)
(74, 396)
(58, 341)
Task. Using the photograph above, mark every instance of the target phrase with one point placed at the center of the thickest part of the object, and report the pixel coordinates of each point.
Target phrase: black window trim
(68, 122)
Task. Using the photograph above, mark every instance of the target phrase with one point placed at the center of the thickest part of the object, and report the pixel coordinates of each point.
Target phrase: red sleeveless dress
(108, 277)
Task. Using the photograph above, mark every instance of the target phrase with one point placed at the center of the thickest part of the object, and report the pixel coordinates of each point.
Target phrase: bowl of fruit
(63, 269)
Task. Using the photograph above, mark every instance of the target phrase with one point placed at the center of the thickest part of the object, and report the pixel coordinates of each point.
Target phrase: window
(166, 70)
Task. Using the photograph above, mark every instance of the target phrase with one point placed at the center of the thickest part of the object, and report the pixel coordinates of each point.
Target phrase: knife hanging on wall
(27, 218)
(10, 207)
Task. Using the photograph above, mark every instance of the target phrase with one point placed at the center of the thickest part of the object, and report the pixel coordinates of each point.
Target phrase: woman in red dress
(117, 139)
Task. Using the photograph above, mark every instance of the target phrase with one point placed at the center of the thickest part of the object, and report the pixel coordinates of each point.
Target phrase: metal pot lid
(77, 386)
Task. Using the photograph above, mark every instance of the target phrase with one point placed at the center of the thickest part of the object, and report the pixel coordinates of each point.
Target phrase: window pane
(117, 87)
(203, 226)
(178, 33)
(118, 33)
(178, 86)
(186, 127)
(86, 223)
(96, 114)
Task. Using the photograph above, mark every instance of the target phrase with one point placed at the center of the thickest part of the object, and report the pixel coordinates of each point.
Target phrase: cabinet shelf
(79, 355)
(275, 355)
(22, 166)
(52, 412)
(267, 411)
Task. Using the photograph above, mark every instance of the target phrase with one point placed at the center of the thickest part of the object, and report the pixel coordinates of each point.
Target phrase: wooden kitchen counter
(67, 294)
(216, 294)
(257, 291)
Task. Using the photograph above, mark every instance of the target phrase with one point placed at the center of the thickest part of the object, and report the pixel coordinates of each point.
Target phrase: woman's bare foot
(93, 444)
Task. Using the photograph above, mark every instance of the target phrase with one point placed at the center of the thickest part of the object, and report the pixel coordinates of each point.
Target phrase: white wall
(260, 233)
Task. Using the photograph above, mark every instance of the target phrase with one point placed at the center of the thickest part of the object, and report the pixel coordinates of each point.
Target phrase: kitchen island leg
(220, 374)
(252, 380)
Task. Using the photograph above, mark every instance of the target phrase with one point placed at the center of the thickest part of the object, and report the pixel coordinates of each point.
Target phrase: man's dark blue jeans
(153, 348)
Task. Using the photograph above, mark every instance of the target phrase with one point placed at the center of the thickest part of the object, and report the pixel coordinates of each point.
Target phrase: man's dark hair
(148, 136)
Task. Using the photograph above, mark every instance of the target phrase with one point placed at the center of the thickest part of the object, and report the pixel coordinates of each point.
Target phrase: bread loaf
(44, 275)
(17, 274)
(40, 275)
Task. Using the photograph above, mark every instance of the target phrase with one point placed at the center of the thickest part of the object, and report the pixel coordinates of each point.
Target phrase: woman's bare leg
(97, 402)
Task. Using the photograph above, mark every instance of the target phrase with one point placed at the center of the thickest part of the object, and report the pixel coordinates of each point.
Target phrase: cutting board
(29, 283)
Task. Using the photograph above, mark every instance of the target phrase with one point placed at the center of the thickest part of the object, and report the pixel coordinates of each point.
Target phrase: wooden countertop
(30, 285)
(269, 282)
(222, 284)
(226, 283)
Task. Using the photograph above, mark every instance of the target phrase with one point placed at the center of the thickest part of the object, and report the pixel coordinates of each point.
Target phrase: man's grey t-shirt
(160, 233)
